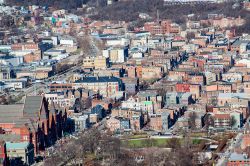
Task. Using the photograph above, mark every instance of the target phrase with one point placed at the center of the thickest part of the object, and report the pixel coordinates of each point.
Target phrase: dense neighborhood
(78, 89)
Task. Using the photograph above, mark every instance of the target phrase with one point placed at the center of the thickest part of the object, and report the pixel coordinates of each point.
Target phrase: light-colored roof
(237, 157)
(17, 145)
(234, 95)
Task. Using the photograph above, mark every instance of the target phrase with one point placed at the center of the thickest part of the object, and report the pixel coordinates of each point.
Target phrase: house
(81, 122)
(57, 98)
(130, 85)
(233, 99)
(245, 141)
(186, 98)
(125, 124)
(113, 124)
(99, 111)
(136, 123)
(159, 122)
(59, 87)
(125, 113)
(93, 118)
(116, 72)
(151, 72)
(183, 122)
(20, 150)
(222, 121)
(171, 98)
(237, 159)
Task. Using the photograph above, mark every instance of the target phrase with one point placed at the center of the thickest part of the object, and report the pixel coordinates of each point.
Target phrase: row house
(194, 89)
(151, 72)
(159, 122)
(118, 124)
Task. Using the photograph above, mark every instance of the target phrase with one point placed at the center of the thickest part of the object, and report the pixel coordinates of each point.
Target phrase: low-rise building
(23, 150)
(106, 86)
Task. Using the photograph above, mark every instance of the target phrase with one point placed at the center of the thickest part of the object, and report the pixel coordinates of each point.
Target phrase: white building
(58, 98)
(81, 122)
(67, 42)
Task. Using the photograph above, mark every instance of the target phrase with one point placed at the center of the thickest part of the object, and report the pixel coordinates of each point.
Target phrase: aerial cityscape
(124, 82)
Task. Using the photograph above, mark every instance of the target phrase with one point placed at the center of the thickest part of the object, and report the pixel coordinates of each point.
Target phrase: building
(106, 86)
(152, 72)
(125, 113)
(34, 122)
(99, 111)
(237, 159)
(116, 54)
(222, 121)
(3, 154)
(155, 122)
(99, 62)
(81, 122)
(57, 98)
(113, 124)
(20, 150)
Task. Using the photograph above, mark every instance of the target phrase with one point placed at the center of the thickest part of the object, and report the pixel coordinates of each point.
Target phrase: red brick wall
(182, 88)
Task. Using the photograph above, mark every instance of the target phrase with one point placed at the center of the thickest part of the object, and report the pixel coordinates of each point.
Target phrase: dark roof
(98, 79)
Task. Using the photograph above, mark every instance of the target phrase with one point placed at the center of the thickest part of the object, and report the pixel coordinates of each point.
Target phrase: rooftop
(17, 145)
(98, 79)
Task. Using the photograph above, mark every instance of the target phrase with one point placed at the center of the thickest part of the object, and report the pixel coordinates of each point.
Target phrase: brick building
(33, 122)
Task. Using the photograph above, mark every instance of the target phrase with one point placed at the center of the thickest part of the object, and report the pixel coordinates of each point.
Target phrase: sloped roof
(10, 113)
(32, 105)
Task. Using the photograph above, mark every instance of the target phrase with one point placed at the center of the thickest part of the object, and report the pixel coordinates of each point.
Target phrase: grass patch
(196, 141)
(159, 142)
(147, 143)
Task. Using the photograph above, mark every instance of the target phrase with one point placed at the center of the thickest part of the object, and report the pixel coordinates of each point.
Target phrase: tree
(208, 122)
(190, 35)
(232, 121)
(192, 119)
(173, 143)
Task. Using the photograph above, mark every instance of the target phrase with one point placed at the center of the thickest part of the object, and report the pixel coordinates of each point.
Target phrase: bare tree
(208, 122)
(232, 121)
(190, 35)
(192, 119)
(173, 143)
